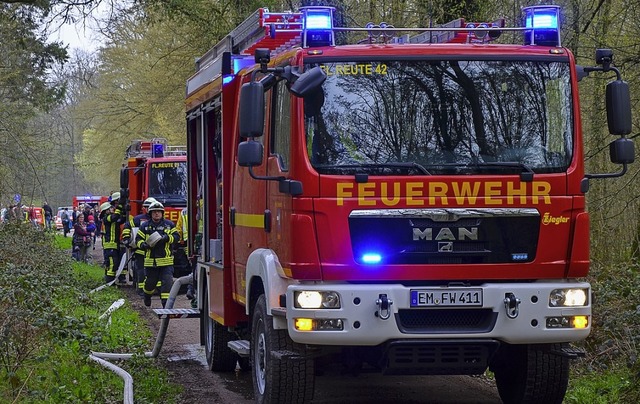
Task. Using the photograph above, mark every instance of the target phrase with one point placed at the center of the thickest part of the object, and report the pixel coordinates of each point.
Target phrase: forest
(67, 115)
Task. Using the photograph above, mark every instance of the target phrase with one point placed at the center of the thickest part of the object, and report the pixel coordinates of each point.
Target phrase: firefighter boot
(147, 300)
(164, 302)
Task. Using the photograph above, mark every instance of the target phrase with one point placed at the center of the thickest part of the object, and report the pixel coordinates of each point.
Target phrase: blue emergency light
(542, 25)
(317, 28)
(371, 258)
(158, 150)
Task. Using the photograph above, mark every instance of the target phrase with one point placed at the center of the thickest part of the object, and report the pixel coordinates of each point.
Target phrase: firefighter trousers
(155, 274)
(111, 263)
(139, 274)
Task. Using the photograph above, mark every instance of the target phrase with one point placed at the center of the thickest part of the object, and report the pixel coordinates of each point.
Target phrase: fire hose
(102, 357)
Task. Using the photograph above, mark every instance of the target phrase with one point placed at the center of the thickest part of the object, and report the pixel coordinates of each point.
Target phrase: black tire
(274, 380)
(220, 358)
(531, 374)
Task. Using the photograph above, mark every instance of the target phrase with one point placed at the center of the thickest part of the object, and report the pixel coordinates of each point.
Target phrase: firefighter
(156, 238)
(128, 239)
(115, 198)
(111, 218)
(182, 252)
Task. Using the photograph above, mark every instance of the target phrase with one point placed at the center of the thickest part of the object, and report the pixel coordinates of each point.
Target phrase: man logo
(445, 246)
(446, 234)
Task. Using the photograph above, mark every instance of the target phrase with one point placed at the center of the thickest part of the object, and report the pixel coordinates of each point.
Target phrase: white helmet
(104, 206)
(115, 196)
(147, 202)
(156, 206)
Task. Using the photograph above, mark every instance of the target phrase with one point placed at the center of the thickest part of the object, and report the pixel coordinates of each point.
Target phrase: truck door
(247, 214)
(279, 164)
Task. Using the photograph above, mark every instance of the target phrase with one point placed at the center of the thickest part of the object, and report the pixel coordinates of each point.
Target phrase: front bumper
(364, 325)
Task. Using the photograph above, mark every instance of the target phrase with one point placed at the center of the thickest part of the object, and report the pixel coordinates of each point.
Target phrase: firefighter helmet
(156, 206)
(147, 202)
(115, 196)
(104, 206)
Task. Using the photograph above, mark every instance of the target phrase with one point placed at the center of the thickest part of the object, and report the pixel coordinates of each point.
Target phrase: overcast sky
(77, 36)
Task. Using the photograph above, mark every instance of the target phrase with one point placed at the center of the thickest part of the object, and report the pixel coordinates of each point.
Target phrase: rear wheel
(531, 373)
(220, 358)
(277, 380)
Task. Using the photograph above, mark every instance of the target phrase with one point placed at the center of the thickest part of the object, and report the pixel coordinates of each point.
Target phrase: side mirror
(618, 108)
(250, 154)
(124, 178)
(308, 82)
(252, 109)
(622, 151)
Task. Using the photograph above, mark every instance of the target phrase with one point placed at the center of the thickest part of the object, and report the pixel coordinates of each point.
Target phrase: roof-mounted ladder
(257, 31)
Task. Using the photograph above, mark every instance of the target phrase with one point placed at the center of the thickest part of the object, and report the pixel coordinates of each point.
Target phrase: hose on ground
(163, 325)
(101, 357)
(128, 380)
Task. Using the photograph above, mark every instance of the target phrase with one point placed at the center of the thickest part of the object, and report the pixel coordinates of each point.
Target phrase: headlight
(312, 299)
(568, 297)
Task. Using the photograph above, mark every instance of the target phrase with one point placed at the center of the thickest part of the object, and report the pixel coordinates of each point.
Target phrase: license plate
(468, 297)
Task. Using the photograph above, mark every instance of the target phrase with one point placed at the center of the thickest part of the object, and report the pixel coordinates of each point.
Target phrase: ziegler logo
(547, 219)
(446, 234)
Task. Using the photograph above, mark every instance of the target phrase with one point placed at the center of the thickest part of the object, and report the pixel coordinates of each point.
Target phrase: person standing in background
(48, 215)
(111, 220)
(81, 240)
(66, 221)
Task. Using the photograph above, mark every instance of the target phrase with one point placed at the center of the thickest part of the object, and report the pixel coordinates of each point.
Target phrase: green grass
(601, 388)
(57, 367)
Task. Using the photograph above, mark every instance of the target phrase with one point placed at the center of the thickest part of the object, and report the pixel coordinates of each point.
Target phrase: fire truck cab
(152, 168)
(412, 203)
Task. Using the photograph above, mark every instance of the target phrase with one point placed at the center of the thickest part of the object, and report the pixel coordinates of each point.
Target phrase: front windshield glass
(168, 182)
(438, 117)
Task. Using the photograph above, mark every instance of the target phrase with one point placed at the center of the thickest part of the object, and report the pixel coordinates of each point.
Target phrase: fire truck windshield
(168, 182)
(445, 116)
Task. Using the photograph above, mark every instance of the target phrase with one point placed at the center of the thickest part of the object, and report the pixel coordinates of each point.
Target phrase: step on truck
(411, 202)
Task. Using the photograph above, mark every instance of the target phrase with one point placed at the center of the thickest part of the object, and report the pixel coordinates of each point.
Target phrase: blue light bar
(318, 20)
(317, 29)
(542, 25)
(371, 258)
(158, 150)
(242, 62)
(545, 19)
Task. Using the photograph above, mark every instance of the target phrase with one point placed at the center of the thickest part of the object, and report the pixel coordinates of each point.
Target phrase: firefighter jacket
(128, 232)
(160, 255)
(111, 228)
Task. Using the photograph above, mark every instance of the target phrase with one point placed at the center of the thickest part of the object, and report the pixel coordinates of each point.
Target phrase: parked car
(58, 218)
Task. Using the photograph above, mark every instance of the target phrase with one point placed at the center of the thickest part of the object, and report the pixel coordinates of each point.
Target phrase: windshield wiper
(373, 166)
(526, 173)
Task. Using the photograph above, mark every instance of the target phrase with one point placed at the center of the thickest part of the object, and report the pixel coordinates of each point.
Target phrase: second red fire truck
(413, 203)
(155, 169)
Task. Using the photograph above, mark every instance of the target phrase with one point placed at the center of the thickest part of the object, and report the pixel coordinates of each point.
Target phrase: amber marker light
(580, 322)
(304, 324)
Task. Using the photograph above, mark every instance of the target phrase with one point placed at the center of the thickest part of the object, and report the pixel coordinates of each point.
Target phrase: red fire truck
(92, 200)
(152, 168)
(419, 207)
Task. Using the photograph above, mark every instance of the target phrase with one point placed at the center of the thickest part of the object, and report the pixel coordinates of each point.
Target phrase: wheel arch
(264, 275)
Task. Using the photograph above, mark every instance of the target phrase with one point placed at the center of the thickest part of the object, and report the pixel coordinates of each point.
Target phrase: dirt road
(184, 358)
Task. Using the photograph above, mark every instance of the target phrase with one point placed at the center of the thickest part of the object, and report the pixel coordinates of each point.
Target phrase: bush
(49, 324)
(31, 268)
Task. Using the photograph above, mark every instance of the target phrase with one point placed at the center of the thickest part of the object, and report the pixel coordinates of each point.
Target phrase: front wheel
(277, 380)
(531, 373)
(220, 358)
